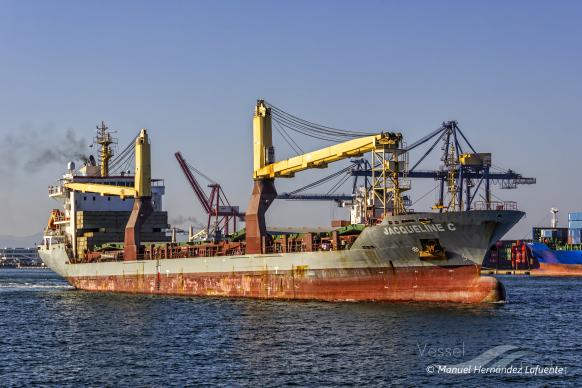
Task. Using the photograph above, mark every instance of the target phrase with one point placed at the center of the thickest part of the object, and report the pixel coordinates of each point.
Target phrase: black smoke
(32, 150)
(181, 220)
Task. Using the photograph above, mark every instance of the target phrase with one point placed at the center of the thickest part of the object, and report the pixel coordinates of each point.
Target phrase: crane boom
(266, 169)
(98, 188)
(142, 182)
(321, 158)
(204, 200)
(215, 205)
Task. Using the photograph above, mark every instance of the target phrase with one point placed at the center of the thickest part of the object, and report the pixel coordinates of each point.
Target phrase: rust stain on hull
(428, 284)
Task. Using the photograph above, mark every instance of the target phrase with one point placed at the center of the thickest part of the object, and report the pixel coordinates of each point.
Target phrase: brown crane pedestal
(142, 209)
(263, 195)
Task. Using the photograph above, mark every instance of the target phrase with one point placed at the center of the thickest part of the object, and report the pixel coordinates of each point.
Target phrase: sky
(191, 72)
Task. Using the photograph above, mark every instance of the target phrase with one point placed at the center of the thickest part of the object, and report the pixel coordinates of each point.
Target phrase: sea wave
(33, 286)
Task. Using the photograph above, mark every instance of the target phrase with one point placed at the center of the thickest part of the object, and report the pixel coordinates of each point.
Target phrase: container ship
(111, 233)
(552, 251)
(558, 251)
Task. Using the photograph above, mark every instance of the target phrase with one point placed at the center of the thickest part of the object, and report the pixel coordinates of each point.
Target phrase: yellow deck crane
(141, 191)
(266, 169)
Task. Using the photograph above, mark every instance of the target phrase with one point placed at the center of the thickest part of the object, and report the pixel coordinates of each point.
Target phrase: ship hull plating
(432, 284)
(383, 264)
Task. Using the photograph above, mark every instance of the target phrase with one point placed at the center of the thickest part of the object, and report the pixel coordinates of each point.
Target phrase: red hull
(551, 269)
(431, 284)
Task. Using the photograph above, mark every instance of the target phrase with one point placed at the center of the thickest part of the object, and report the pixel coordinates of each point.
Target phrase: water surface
(51, 334)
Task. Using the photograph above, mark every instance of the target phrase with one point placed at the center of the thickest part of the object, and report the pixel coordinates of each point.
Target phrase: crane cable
(425, 194)
(322, 180)
(308, 124)
(308, 128)
(339, 184)
(194, 169)
(288, 139)
(312, 132)
(123, 160)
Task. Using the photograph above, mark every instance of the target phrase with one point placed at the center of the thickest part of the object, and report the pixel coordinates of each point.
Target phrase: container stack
(575, 228)
(97, 228)
(559, 235)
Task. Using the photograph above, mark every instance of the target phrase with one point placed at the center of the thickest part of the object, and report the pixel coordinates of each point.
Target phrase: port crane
(219, 211)
(463, 173)
(460, 178)
(387, 161)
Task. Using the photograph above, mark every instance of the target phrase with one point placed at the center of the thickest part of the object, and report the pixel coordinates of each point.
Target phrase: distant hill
(7, 241)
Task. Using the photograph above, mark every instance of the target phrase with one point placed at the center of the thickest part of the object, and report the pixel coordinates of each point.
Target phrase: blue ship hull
(556, 262)
(545, 255)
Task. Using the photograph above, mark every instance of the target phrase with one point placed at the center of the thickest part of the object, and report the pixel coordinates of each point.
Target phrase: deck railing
(496, 205)
(56, 190)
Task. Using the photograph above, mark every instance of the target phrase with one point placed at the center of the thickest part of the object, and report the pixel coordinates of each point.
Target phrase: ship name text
(423, 228)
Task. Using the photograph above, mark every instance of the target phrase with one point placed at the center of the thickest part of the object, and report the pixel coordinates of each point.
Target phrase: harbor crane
(219, 211)
(463, 173)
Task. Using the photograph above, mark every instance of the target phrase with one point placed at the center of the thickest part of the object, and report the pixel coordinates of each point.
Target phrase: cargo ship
(558, 251)
(111, 233)
(552, 251)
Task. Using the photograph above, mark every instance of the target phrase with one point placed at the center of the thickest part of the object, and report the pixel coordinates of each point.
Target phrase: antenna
(554, 212)
(104, 139)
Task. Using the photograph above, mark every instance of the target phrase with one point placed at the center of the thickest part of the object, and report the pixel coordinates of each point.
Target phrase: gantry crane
(385, 181)
(363, 209)
(141, 192)
(463, 172)
(215, 205)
